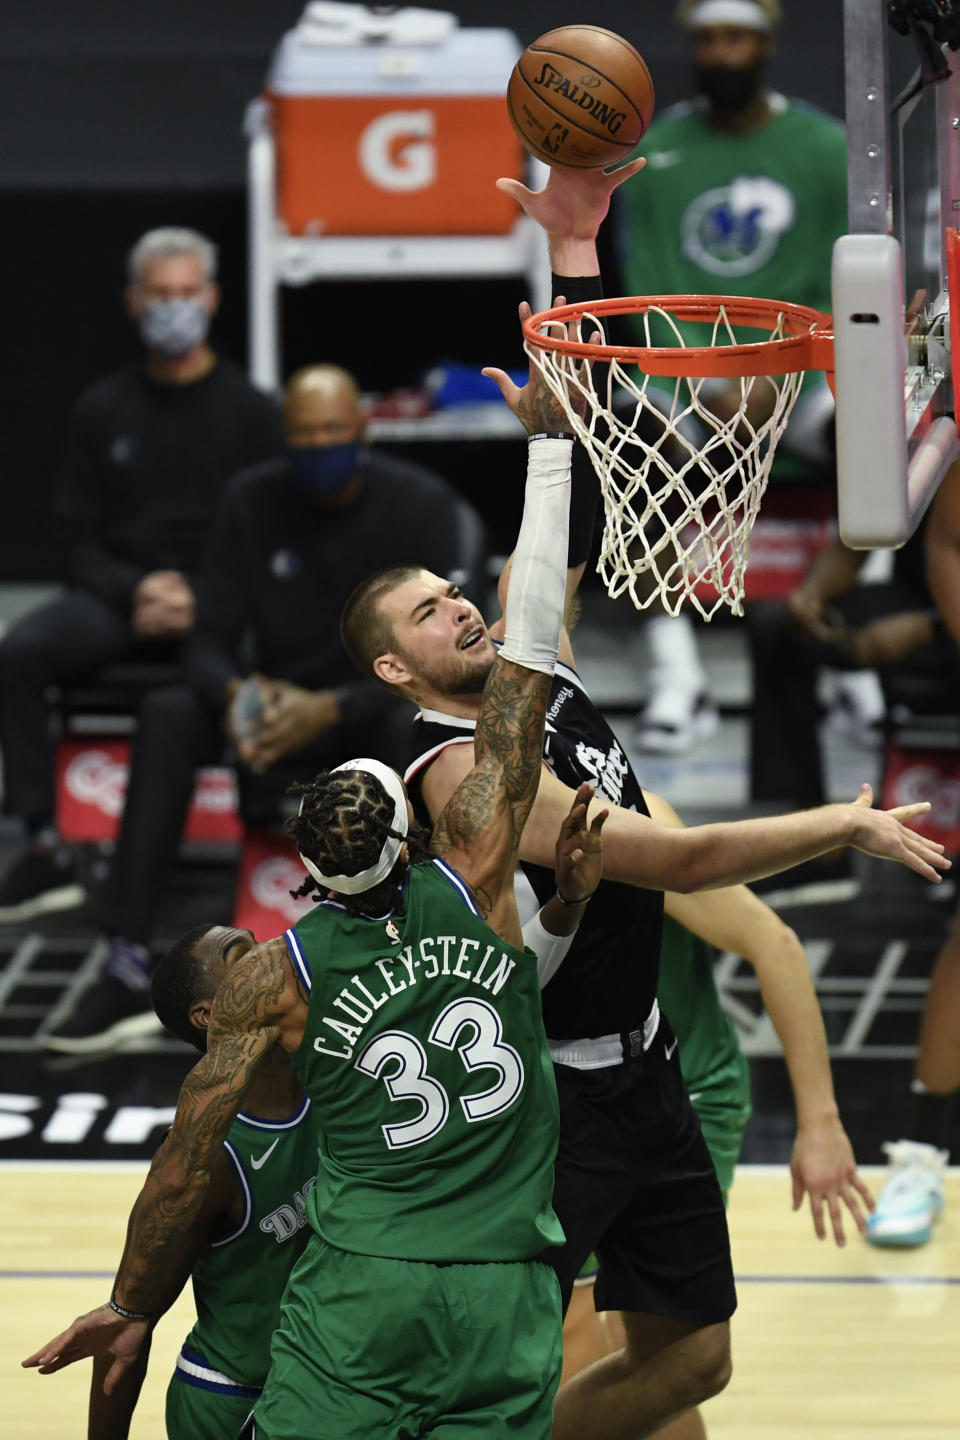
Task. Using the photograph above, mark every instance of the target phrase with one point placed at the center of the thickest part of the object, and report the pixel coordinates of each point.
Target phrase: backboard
(896, 431)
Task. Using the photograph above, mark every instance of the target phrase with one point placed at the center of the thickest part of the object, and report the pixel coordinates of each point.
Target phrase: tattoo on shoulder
(257, 990)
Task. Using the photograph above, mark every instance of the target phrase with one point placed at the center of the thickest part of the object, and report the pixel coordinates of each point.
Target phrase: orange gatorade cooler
(387, 139)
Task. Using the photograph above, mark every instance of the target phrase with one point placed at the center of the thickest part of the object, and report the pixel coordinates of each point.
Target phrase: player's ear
(199, 1013)
(391, 670)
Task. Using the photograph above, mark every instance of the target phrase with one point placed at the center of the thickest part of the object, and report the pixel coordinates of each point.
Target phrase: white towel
(335, 22)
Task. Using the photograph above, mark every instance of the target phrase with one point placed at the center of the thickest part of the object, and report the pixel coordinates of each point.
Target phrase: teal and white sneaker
(912, 1195)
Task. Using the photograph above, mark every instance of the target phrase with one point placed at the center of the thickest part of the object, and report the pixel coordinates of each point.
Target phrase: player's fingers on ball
(511, 186)
(625, 172)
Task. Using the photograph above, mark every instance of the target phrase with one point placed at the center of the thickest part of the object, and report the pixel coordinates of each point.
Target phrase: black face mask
(728, 89)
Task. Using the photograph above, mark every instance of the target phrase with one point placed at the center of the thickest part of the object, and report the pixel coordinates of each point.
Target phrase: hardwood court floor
(828, 1345)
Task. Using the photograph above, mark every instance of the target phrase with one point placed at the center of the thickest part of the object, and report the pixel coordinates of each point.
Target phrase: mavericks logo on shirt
(735, 229)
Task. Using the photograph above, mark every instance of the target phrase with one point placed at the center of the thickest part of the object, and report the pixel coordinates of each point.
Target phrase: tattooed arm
(480, 827)
(258, 1005)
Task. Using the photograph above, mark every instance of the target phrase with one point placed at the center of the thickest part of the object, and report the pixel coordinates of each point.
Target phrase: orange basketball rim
(682, 467)
(801, 338)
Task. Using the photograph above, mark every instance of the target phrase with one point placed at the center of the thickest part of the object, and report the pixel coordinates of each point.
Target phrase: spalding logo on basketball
(581, 97)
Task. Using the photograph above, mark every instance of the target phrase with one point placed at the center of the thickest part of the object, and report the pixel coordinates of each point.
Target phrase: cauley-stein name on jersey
(430, 958)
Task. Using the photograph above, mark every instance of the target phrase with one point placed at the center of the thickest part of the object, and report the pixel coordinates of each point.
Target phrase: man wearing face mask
(150, 449)
(292, 538)
(744, 193)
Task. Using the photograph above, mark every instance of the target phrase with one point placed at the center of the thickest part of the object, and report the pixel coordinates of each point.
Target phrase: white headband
(354, 884)
(729, 12)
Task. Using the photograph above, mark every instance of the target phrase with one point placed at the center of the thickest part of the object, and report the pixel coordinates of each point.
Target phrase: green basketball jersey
(709, 1050)
(751, 214)
(426, 1061)
(239, 1280)
(754, 214)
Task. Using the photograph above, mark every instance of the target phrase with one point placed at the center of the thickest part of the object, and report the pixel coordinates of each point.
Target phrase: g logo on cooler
(396, 151)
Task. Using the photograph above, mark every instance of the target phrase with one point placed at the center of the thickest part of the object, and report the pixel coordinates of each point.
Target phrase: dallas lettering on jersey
(286, 1220)
(431, 958)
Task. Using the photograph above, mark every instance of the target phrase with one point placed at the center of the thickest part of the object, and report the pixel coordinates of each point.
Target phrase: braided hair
(345, 817)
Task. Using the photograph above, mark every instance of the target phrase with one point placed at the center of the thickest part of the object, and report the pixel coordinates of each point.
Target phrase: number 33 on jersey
(432, 1084)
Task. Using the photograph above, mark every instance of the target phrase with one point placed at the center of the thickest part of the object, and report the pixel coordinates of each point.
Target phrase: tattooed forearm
(508, 746)
(510, 724)
(247, 1011)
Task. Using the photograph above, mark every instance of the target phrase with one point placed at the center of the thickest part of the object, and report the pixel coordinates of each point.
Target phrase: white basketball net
(681, 483)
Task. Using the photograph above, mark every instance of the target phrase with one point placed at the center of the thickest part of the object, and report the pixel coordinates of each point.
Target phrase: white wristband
(538, 576)
(550, 950)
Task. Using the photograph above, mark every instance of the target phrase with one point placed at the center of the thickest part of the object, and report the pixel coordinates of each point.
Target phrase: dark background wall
(116, 117)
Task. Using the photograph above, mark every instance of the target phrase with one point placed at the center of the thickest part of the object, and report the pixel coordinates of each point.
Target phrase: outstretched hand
(578, 863)
(574, 203)
(823, 1166)
(534, 404)
(884, 833)
(99, 1332)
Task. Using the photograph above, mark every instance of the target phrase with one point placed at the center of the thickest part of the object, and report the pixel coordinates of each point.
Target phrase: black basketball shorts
(635, 1184)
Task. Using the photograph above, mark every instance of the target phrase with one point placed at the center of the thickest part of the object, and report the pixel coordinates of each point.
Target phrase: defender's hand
(823, 1167)
(99, 1332)
(884, 833)
(578, 865)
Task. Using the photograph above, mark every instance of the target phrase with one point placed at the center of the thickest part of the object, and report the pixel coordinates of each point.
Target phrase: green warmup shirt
(239, 1280)
(755, 214)
(426, 1061)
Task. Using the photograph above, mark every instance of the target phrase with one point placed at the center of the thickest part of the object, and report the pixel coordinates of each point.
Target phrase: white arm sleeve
(538, 578)
(550, 950)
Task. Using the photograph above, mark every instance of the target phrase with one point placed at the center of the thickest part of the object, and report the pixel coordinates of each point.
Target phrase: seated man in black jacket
(292, 538)
(150, 450)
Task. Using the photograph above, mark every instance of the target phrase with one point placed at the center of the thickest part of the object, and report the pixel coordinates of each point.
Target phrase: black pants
(176, 733)
(58, 644)
(786, 764)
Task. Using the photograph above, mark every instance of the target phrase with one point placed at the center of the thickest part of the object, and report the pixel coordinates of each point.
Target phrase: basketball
(581, 97)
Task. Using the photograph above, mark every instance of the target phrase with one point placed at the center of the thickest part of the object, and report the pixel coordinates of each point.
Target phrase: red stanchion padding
(934, 775)
(92, 786)
(269, 870)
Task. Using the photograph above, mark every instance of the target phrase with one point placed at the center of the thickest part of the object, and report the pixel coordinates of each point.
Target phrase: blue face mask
(324, 470)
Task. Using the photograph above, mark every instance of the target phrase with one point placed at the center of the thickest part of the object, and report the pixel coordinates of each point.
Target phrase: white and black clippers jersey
(608, 981)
